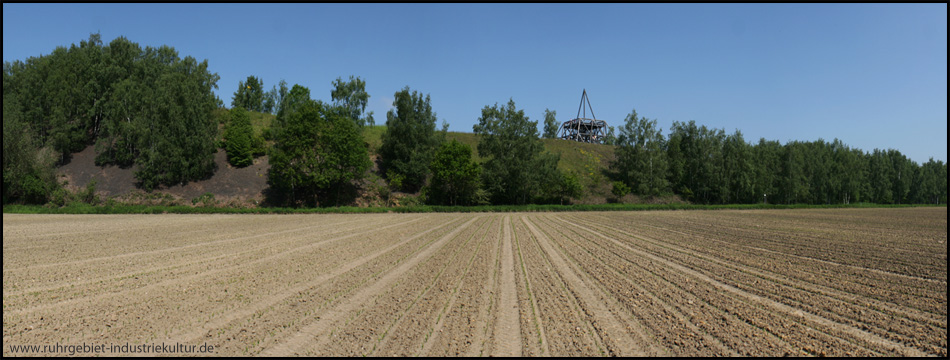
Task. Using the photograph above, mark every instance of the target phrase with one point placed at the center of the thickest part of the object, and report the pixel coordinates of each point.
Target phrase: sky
(871, 75)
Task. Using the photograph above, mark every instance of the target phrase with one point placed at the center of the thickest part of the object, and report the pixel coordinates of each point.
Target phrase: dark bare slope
(227, 183)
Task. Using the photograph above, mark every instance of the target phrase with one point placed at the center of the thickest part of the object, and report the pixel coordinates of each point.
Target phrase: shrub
(620, 190)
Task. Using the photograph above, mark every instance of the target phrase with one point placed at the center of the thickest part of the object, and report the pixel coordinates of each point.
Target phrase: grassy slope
(259, 121)
(588, 161)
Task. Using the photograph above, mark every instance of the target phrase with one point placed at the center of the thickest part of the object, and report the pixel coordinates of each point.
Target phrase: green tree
(795, 179)
(409, 140)
(318, 153)
(510, 143)
(619, 190)
(695, 157)
(640, 157)
(282, 92)
(249, 95)
(933, 182)
(270, 101)
(455, 176)
(738, 169)
(902, 175)
(569, 187)
(550, 124)
(177, 142)
(238, 136)
(352, 96)
(766, 157)
(28, 175)
(611, 137)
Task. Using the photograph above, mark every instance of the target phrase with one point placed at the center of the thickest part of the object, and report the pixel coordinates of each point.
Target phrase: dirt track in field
(835, 282)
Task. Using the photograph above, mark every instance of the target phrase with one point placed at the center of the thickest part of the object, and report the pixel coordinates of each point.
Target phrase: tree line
(708, 166)
(153, 110)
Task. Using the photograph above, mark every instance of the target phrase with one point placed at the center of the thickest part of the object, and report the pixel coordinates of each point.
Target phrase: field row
(837, 282)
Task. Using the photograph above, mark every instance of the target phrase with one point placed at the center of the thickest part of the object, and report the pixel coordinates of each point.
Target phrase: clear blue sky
(872, 75)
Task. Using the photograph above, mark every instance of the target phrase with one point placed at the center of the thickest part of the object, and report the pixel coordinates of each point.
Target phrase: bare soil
(836, 282)
(228, 184)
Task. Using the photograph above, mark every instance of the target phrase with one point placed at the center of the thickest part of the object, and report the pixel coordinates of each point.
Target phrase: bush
(239, 139)
(620, 190)
(454, 176)
(206, 199)
(318, 155)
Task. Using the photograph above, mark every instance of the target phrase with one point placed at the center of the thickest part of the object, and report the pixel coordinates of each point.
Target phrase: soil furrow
(652, 300)
(408, 330)
(872, 338)
(190, 259)
(339, 313)
(173, 281)
(614, 335)
(837, 306)
(566, 332)
(158, 251)
(447, 315)
(269, 301)
(857, 282)
(531, 327)
(506, 330)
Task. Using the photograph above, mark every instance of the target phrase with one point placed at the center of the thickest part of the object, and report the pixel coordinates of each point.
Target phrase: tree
(550, 124)
(611, 137)
(767, 157)
(270, 101)
(238, 137)
(28, 174)
(177, 142)
(318, 154)
(880, 172)
(795, 177)
(738, 170)
(281, 94)
(454, 175)
(568, 187)
(932, 183)
(352, 96)
(510, 143)
(249, 95)
(619, 190)
(902, 175)
(641, 159)
(409, 140)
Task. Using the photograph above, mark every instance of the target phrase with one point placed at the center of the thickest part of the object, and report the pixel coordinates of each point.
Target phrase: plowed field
(825, 282)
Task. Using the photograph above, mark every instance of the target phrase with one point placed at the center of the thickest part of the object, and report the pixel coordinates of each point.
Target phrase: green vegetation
(249, 95)
(146, 107)
(352, 97)
(409, 140)
(707, 166)
(641, 161)
(238, 138)
(550, 124)
(152, 110)
(27, 170)
(317, 153)
(455, 176)
(79, 208)
(619, 190)
(518, 170)
(86, 196)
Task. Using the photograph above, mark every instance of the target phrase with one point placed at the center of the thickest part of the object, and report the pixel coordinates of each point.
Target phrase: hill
(588, 161)
(235, 186)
